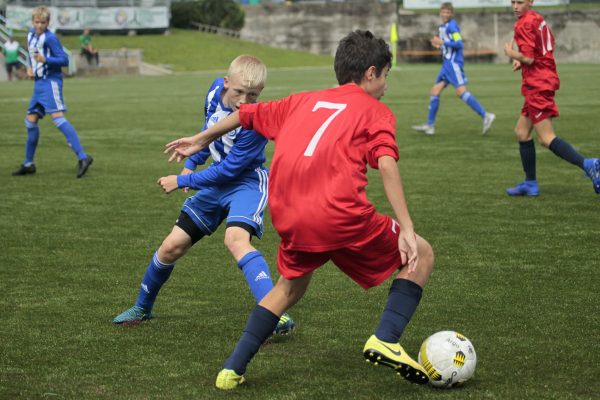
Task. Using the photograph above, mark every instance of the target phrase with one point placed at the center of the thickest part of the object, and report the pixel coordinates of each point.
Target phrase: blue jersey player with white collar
(233, 188)
(450, 42)
(47, 58)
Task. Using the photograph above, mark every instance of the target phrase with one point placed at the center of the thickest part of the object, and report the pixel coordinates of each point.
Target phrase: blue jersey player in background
(47, 59)
(451, 44)
(232, 188)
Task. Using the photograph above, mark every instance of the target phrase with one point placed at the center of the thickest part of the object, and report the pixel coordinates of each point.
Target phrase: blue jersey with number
(452, 49)
(236, 154)
(48, 45)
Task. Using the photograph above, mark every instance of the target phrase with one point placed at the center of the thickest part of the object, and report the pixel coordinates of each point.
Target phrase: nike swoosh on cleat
(396, 353)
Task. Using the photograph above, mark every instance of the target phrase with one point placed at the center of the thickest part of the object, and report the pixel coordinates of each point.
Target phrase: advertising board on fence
(422, 4)
(106, 18)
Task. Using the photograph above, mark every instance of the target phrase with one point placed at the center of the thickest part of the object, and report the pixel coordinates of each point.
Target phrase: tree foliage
(222, 13)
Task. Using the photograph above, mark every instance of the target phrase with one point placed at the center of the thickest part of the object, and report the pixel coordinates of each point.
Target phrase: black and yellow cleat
(392, 355)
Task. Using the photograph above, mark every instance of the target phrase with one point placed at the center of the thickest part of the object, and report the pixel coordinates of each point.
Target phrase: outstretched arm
(186, 146)
(392, 183)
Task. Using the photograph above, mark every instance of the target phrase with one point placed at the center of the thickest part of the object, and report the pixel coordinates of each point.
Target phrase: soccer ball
(449, 359)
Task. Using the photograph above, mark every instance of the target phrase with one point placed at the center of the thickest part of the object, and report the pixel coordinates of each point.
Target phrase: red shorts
(367, 262)
(539, 106)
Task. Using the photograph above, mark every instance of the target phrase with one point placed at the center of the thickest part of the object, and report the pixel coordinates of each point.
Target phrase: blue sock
(527, 151)
(71, 135)
(257, 274)
(434, 105)
(156, 275)
(403, 299)
(565, 151)
(259, 328)
(472, 102)
(33, 135)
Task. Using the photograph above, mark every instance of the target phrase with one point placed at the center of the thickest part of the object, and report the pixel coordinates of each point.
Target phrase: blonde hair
(251, 70)
(447, 6)
(41, 12)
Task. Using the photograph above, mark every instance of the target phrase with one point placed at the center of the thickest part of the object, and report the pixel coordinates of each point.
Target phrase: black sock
(403, 299)
(259, 328)
(527, 151)
(565, 151)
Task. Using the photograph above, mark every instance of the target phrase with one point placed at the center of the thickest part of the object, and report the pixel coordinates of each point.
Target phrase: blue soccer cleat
(285, 325)
(592, 170)
(392, 355)
(525, 188)
(133, 316)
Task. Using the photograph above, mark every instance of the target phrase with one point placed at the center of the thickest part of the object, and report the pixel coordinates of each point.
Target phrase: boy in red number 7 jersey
(324, 141)
(534, 58)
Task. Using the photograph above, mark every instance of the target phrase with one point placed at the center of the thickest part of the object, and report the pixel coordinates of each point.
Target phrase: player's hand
(407, 244)
(185, 171)
(29, 72)
(436, 42)
(516, 65)
(182, 148)
(168, 183)
(39, 57)
(509, 48)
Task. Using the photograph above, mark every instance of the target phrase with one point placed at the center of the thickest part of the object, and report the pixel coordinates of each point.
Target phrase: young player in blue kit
(232, 188)
(452, 72)
(47, 59)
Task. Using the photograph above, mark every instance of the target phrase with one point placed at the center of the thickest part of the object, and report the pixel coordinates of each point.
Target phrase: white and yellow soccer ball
(449, 359)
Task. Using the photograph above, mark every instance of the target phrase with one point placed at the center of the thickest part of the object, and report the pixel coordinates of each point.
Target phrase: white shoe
(425, 128)
(488, 120)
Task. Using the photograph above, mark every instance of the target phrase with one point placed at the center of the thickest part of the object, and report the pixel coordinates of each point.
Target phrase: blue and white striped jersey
(49, 46)
(452, 49)
(235, 153)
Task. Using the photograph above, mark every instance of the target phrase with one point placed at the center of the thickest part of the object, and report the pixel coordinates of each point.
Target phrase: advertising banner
(106, 18)
(423, 4)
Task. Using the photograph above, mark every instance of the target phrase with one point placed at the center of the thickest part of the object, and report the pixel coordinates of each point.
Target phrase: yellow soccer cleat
(228, 379)
(393, 355)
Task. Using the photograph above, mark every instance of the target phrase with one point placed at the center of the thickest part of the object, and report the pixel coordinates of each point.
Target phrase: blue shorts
(241, 201)
(47, 97)
(452, 73)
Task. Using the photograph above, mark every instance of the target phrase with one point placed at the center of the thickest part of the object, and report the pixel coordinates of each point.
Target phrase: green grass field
(518, 276)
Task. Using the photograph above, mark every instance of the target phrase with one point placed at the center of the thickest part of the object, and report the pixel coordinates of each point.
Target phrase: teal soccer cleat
(285, 326)
(133, 316)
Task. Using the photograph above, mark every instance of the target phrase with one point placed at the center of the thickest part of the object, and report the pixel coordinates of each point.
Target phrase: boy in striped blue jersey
(451, 44)
(232, 188)
(47, 59)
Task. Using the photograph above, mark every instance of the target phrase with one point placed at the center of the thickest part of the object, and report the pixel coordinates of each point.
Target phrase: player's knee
(522, 134)
(237, 238)
(544, 140)
(234, 242)
(426, 257)
(170, 251)
(30, 124)
(58, 120)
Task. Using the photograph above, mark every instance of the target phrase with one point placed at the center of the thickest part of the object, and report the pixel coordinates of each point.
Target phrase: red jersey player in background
(324, 142)
(534, 58)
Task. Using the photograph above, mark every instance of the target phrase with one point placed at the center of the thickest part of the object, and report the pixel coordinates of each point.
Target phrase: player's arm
(58, 56)
(248, 148)
(392, 183)
(186, 146)
(456, 41)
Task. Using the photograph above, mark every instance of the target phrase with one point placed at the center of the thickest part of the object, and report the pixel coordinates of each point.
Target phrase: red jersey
(535, 40)
(323, 143)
